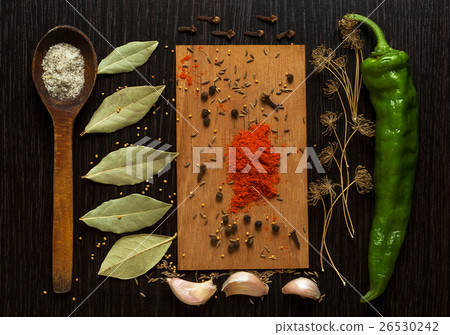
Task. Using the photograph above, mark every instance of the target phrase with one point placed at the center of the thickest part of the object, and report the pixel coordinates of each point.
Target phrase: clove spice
(287, 34)
(212, 19)
(270, 19)
(228, 34)
(187, 29)
(259, 33)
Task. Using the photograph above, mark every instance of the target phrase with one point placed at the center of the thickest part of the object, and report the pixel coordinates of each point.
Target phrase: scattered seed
(264, 114)
(202, 183)
(193, 135)
(276, 118)
(286, 131)
(221, 113)
(204, 82)
(277, 55)
(142, 295)
(274, 131)
(211, 102)
(187, 165)
(250, 60)
(190, 50)
(275, 228)
(280, 199)
(265, 52)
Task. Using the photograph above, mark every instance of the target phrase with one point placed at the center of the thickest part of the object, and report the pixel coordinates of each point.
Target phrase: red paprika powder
(246, 174)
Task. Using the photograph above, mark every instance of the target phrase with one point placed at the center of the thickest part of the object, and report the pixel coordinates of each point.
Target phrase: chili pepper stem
(382, 45)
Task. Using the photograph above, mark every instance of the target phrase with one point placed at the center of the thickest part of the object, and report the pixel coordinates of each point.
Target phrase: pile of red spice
(185, 72)
(245, 183)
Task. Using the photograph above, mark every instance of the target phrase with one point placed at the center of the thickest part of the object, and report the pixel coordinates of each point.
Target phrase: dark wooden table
(419, 286)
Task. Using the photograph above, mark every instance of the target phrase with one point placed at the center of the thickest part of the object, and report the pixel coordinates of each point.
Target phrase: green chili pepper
(387, 76)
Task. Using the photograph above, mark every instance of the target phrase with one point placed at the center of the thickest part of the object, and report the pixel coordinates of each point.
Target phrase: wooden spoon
(63, 114)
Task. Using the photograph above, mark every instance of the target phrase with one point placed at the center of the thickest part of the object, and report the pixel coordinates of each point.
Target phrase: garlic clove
(191, 293)
(244, 283)
(303, 287)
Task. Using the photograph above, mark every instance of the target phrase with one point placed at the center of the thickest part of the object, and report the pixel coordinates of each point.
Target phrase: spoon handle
(63, 208)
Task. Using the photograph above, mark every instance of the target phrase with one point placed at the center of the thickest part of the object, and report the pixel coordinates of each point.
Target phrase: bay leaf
(127, 214)
(133, 255)
(127, 57)
(130, 165)
(123, 108)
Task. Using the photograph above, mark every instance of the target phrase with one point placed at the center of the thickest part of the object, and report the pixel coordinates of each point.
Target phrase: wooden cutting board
(198, 214)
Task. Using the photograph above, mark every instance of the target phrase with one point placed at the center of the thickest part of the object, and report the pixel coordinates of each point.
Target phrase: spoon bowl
(63, 113)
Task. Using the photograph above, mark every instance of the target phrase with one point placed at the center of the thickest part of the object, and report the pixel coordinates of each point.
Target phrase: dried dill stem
(335, 154)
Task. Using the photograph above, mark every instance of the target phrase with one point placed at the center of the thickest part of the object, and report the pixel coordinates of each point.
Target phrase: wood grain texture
(419, 286)
(255, 70)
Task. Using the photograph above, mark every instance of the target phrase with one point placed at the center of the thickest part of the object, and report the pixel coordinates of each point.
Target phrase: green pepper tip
(382, 45)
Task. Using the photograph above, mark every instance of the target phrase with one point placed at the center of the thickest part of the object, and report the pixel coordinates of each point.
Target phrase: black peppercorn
(225, 219)
(234, 113)
(214, 239)
(258, 224)
(247, 218)
(212, 90)
(206, 121)
(228, 230)
(204, 96)
(275, 228)
(290, 77)
(219, 196)
(205, 112)
(236, 244)
(234, 228)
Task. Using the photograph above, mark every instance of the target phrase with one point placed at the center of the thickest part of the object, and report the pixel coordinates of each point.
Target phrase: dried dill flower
(320, 57)
(331, 87)
(326, 156)
(329, 120)
(340, 62)
(364, 126)
(350, 34)
(363, 180)
(314, 194)
(327, 187)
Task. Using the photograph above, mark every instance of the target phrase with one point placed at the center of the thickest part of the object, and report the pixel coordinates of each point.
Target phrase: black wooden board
(419, 286)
